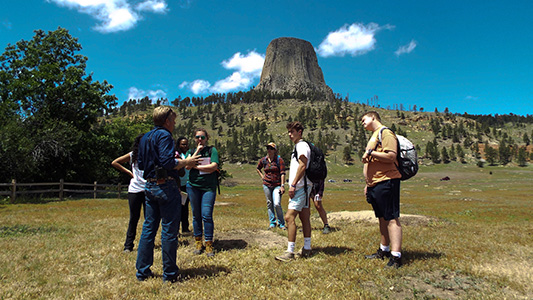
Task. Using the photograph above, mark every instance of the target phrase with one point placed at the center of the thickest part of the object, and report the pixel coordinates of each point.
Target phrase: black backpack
(317, 169)
(406, 156)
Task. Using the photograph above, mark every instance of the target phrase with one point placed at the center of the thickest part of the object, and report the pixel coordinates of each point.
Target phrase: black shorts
(385, 199)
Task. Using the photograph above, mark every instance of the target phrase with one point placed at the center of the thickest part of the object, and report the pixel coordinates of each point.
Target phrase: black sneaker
(380, 254)
(394, 262)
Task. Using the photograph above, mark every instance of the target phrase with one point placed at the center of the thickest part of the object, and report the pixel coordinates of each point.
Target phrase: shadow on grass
(221, 245)
(332, 250)
(411, 256)
(210, 271)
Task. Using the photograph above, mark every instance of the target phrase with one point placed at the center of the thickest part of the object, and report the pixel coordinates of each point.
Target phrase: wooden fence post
(61, 187)
(13, 190)
(94, 195)
(119, 188)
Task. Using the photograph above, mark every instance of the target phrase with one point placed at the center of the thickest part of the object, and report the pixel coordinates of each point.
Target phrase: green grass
(478, 245)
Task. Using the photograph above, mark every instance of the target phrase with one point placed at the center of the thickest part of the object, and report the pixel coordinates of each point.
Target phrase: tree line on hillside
(58, 123)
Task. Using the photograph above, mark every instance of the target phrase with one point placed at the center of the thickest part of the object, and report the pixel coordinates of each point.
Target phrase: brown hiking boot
(209, 251)
(199, 245)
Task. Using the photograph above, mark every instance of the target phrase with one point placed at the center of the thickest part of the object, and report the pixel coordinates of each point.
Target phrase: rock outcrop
(291, 66)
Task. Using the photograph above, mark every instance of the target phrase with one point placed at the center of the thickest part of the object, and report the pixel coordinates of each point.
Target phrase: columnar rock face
(291, 66)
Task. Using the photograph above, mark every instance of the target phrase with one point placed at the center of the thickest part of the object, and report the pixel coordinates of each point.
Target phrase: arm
(117, 164)
(387, 156)
(259, 167)
(189, 162)
(300, 172)
(260, 173)
(282, 171)
(210, 168)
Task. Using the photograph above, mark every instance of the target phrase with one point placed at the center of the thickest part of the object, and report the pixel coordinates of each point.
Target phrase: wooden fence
(60, 188)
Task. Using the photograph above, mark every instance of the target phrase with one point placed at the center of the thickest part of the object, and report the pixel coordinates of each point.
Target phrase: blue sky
(468, 56)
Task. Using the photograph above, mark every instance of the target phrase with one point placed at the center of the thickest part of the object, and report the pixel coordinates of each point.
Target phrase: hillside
(240, 128)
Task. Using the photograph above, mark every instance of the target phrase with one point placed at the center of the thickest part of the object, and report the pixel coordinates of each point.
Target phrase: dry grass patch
(368, 216)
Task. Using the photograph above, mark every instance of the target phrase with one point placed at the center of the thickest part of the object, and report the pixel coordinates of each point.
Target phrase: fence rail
(60, 188)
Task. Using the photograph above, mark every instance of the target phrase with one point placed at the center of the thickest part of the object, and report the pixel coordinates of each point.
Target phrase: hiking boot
(199, 245)
(394, 262)
(326, 229)
(380, 254)
(209, 251)
(287, 256)
(303, 253)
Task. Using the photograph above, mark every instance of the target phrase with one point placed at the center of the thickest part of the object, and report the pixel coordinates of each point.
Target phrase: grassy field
(478, 245)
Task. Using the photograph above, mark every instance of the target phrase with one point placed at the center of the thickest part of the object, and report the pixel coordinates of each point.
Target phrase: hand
(292, 191)
(282, 190)
(192, 161)
(366, 158)
(199, 147)
(365, 190)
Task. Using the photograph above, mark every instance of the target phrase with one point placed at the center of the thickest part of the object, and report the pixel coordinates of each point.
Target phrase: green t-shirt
(205, 181)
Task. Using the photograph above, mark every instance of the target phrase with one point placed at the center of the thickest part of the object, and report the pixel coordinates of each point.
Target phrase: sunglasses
(200, 137)
(270, 148)
(168, 113)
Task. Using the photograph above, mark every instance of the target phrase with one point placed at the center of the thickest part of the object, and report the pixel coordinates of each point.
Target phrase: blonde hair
(161, 114)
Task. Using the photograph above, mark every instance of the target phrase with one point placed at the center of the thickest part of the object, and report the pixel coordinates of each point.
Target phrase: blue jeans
(273, 197)
(163, 203)
(202, 203)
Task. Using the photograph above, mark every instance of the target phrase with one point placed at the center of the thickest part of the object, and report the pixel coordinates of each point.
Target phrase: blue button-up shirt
(157, 149)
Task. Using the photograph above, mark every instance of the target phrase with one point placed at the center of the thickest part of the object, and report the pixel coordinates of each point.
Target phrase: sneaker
(271, 227)
(283, 227)
(380, 254)
(287, 256)
(326, 229)
(303, 253)
(128, 250)
(209, 251)
(394, 262)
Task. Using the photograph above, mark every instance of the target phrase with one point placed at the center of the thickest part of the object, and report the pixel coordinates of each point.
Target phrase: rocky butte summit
(291, 66)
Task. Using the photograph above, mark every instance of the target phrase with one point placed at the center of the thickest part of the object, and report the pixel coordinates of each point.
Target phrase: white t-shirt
(302, 148)
(137, 183)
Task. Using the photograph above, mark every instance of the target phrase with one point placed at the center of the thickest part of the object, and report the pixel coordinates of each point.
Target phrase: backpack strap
(305, 177)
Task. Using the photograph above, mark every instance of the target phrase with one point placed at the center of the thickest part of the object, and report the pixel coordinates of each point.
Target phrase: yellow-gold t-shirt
(378, 171)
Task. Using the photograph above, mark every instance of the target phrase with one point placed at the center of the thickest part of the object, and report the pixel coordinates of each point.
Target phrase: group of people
(160, 174)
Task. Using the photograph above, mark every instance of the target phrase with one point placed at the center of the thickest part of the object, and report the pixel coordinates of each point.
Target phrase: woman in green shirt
(201, 189)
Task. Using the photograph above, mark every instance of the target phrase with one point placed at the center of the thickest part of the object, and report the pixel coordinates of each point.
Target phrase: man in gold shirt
(382, 187)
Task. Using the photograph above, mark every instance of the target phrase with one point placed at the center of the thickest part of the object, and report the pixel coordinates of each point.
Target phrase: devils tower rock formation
(291, 66)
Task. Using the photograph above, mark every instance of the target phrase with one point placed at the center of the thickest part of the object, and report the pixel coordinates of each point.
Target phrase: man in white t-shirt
(299, 196)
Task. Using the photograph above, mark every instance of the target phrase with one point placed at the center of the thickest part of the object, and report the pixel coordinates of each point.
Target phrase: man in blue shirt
(163, 199)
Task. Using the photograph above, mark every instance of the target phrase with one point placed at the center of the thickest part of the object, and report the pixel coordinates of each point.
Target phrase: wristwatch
(369, 152)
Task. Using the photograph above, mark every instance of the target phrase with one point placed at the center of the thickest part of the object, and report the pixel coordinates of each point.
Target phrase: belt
(160, 180)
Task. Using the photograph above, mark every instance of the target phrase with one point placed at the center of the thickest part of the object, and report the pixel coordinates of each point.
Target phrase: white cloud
(471, 98)
(114, 15)
(153, 6)
(248, 68)
(355, 39)
(135, 93)
(405, 49)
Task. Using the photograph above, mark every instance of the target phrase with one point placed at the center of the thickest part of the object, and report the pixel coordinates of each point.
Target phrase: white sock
(397, 254)
(307, 243)
(291, 246)
(384, 248)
